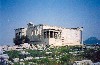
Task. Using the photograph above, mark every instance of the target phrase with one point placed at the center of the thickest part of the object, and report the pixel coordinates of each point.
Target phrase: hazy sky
(64, 13)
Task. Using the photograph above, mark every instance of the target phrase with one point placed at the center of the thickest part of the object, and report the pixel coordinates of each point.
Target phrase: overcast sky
(64, 13)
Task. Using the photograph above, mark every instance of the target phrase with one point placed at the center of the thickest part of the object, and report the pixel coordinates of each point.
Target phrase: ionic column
(46, 34)
(53, 34)
(49, 34)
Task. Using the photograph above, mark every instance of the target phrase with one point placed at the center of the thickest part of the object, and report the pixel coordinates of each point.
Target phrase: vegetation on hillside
(65, 55)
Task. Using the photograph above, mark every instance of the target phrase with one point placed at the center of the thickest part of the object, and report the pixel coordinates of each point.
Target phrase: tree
(21, 40)
(17, 40)
(27, 40)
(65, 59)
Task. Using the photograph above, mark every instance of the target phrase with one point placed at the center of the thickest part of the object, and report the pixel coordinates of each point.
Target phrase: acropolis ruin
(51, 35)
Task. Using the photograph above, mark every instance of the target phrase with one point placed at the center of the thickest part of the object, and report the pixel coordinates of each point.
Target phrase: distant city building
(51, 35)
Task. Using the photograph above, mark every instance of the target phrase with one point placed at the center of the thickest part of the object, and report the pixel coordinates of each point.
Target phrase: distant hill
(92, 40)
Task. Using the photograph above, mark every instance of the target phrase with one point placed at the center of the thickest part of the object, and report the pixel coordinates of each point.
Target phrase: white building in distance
(51, 35)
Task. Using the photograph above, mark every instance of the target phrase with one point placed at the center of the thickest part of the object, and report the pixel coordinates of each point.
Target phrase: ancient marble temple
(51, 35)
